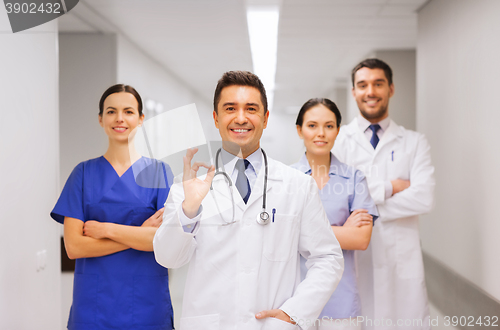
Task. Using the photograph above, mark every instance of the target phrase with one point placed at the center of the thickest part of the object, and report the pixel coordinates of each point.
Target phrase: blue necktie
(374, 140)
(242, 183)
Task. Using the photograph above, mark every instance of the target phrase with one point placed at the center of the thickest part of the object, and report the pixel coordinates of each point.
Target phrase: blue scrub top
(127, 289)
(345, 191)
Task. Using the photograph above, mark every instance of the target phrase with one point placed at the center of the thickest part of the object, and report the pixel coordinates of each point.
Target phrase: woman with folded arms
(347, 202)
(111, 207)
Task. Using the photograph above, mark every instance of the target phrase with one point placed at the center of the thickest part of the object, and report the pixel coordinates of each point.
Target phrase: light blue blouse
(346, 191)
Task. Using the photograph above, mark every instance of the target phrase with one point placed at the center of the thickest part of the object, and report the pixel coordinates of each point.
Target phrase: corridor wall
(29, 150)
(457, 86)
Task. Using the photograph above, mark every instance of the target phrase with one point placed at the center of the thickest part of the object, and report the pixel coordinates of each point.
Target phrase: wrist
(190, 208)
(287, 317)
(107, 230)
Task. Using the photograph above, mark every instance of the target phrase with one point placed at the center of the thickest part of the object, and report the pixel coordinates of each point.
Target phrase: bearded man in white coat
(243, 273)
(397, 165)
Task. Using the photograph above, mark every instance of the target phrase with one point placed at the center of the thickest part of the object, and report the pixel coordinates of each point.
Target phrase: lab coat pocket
(205, 322)
(84, 308)
(151, 300)
(280, 237)
(273, 323)
(398, 166)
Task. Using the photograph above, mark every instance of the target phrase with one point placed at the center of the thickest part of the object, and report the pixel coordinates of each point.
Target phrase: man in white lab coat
(398, 168)
(244, 274)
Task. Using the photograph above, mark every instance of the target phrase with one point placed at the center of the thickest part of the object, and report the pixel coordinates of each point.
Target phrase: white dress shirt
(364, 126)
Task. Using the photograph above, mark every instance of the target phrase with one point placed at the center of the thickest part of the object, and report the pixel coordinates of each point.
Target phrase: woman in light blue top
(347, 202)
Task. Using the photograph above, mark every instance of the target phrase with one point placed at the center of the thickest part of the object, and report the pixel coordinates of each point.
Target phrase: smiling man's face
(241, 119)
(372, 93)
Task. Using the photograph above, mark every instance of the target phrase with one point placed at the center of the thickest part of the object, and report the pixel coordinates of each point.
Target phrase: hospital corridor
(430, 67)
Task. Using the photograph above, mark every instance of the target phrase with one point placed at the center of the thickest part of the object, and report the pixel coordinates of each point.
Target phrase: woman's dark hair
(119, 88)
(240, 78)
(314, 102)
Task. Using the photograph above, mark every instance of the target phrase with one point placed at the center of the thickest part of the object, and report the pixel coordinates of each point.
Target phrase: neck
(377, 120)
(121, 153)
(320, 164)
(238, 151)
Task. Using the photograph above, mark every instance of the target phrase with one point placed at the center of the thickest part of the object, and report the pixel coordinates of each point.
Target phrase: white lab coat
(240, 269)
(390, 271)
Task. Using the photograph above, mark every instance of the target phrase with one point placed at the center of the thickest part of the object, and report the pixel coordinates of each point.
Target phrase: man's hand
(358, 218)
(195, 189)
(94, 229)
(154, 220)
(399, 185)
(276, 313)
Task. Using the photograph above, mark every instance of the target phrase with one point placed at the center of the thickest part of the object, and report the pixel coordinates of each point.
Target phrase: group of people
(330, 242)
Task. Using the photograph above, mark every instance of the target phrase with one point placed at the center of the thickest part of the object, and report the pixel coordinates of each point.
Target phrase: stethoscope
(263, 217)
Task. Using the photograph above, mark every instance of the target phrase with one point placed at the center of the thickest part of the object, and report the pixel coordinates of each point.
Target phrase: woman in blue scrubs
(347, 202)
(111, 207)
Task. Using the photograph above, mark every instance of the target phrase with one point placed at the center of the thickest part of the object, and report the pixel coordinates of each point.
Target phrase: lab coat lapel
(357, 135)
(393, 132)
(221, 188)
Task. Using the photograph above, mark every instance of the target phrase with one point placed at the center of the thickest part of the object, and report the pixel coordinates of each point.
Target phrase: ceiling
(319, 41)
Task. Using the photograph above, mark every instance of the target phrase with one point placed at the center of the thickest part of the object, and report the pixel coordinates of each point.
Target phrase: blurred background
(444, 54)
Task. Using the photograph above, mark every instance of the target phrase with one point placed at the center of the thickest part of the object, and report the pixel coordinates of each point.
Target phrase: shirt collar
(229, 161)
(336, 167)
(364, 123)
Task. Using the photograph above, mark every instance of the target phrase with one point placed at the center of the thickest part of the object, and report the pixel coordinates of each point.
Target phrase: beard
(374, 116)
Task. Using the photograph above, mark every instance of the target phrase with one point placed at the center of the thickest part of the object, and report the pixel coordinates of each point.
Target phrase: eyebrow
(247, 104)
(110, 107)
(315, 122)
(364, 81)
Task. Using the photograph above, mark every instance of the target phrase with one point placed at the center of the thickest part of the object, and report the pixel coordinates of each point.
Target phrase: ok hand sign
(195, 189)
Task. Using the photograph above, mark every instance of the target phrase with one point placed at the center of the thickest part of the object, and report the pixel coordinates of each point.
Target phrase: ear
(391, 90)
(353, 93)
(216, 119)
(336, 134)
(141, 120)
(299, 132)
(266, 118)
(100, 120)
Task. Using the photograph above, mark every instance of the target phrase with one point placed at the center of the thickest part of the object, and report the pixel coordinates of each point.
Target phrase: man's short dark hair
(240, 78)
(373, 63)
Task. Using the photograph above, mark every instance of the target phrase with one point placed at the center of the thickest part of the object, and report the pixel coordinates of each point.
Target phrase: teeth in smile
(240, 130)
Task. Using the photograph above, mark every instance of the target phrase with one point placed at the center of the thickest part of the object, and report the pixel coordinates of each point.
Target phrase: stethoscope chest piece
(263, 218)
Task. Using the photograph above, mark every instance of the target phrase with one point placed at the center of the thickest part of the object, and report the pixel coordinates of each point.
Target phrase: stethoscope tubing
(263, 218)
